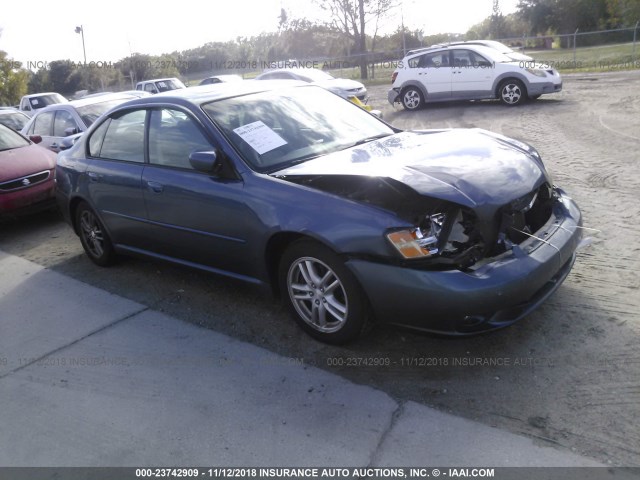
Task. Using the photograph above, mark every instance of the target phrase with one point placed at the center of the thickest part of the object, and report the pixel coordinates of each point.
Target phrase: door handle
(155, 187)
(93, 177)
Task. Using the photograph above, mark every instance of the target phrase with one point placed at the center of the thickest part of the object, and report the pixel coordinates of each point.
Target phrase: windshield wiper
(369, 139)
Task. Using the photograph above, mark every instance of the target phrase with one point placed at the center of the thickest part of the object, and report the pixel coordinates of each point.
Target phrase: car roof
(205, 93)
(12, 111)
(158, 79)
(82, 102)
(478, 47)
(31, 95)
(225, 75)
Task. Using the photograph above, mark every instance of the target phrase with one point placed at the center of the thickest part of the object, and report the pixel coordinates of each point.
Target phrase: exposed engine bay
(447, 235)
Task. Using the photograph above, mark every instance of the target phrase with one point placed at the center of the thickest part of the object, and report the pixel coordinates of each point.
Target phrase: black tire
(323, 296)
(93, 236)
(412, 98)
(512, 92)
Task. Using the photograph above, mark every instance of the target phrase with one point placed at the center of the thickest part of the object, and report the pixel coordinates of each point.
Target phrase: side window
(124, 137)
(462, 58)
(97, 137)
(62, 122)
(173, 136)
(434, 60)
(43, 123)
(478, 60)
(150, 87)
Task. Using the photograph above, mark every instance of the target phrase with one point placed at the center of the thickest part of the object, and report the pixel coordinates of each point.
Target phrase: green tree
(564, 16)
(623, 13)
(497, 22)
(351, 16)
(14, 80)
(39, 81)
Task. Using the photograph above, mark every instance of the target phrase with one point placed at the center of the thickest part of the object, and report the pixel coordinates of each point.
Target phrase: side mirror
(206, 162)
(35, 138)
(67, 142)
(70, 131)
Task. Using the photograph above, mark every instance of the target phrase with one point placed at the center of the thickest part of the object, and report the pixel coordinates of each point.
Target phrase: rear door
(114, 177)
(472, 75)
(433, 70)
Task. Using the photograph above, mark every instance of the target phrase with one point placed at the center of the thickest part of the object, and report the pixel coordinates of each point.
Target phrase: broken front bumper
(494, 295)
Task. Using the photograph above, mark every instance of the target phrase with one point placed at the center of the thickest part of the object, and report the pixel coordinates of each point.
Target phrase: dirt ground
(567, 375)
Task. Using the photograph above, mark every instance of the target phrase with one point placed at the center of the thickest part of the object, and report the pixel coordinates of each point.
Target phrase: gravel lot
(568, 375)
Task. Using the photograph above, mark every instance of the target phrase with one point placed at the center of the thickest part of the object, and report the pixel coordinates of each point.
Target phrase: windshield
(169, 84)
(15, 120)
(42, 101)
(10, 139)
(90, 113)
(276, 129)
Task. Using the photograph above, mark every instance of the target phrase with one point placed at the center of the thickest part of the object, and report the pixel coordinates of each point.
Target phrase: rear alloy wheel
(322, 294)
(93, 236)
(512, 92)
(412, 98)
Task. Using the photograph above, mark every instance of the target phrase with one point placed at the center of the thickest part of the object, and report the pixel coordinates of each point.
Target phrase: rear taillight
(393, 77)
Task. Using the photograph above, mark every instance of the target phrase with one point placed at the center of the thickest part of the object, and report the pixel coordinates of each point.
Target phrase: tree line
(352, 33)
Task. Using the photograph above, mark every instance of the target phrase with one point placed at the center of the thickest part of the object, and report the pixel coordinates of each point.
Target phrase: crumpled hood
(470, 167)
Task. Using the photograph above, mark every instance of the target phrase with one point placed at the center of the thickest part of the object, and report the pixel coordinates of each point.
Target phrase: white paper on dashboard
(261, 138)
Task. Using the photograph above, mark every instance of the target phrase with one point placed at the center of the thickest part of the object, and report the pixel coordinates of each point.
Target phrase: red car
(27, 174)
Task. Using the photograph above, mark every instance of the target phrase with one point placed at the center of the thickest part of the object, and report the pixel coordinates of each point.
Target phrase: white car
(159, 85)
(30, 104)
(221, 79)
(468, 72)
(344, 87)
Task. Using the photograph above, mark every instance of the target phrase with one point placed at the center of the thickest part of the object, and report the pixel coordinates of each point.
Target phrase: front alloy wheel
(512, 92)
(323, 295)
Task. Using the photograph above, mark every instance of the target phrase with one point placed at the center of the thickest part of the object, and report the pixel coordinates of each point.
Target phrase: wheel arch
(418, 85)
(507, 76)
(73, 208)
(74, 203)
(275, 248)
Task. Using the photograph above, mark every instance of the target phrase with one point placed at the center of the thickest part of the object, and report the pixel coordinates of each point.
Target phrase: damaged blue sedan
(350, 220)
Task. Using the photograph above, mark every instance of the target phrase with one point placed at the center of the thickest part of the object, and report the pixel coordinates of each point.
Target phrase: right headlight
(419, 242)
(537, 72)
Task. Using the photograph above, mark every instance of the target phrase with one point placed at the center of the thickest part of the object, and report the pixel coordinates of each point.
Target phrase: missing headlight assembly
(456, 237)
(449, 235)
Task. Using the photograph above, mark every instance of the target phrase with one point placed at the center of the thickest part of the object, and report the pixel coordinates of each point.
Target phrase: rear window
(42, 101)
(90, 113)
(10, 139)
(15, 120)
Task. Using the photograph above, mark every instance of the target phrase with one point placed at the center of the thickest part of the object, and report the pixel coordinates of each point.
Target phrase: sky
(44, 31)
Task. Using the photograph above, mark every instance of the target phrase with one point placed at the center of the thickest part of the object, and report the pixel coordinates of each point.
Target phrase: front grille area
(25, 182)
(526, 215)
